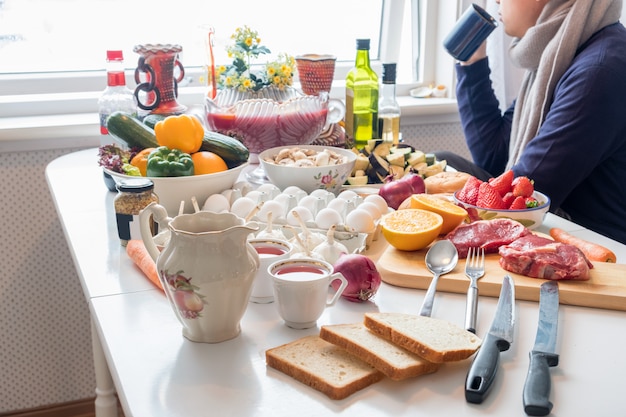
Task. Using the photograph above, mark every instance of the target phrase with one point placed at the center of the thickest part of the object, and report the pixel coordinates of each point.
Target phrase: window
(52, 52)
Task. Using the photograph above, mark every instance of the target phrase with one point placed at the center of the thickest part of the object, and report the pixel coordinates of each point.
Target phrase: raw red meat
(487, 234)
(538, 257)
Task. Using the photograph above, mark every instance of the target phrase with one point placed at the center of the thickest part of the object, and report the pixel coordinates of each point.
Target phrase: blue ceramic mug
(470, 31)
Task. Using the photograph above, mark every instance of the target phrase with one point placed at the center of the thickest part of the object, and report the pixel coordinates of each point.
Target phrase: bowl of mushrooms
(309, 167)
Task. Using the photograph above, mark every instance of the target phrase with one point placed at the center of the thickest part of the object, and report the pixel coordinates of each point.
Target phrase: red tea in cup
(270, 251)
(301, 272)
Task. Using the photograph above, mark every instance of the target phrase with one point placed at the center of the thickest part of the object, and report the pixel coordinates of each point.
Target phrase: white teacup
(301, 290)
(270, 250)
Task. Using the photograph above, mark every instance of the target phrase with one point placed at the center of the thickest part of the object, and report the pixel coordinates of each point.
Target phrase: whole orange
(205, 162)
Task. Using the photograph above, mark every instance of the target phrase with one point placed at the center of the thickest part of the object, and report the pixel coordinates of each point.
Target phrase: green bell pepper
(166, 162)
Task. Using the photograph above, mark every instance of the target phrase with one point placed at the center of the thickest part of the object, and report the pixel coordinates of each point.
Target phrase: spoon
(441, 258)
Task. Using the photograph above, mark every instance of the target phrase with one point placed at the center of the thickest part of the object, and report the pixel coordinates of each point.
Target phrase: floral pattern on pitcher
(188, 300)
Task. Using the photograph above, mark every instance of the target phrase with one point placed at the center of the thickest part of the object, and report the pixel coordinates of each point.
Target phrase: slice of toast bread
(392, 360)
(322, 366)
(433, 339)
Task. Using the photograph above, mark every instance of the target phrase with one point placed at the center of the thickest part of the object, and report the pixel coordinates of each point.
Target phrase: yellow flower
(245, 48)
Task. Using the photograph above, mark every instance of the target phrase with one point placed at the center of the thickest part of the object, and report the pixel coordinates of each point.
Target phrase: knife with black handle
(483, 371)
(537, 387)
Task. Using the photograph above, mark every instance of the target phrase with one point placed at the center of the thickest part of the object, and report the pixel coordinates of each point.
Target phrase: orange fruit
(140, 160)
(452, 214)
(411, 229)
(205, 162)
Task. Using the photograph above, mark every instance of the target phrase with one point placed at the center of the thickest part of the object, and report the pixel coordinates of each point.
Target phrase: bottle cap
(138, 185)
(389, 73)
(115, 55)
(363, 44)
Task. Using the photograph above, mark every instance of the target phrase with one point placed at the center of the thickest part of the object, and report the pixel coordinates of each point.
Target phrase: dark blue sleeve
(584, 127)
(487, 130)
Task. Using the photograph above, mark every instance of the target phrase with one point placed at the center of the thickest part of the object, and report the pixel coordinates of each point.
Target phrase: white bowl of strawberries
(504, 196)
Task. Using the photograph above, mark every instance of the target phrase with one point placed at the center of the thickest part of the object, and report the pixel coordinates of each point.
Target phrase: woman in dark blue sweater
(567, 128)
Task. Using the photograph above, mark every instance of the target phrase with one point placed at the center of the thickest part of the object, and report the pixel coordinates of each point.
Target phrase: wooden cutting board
(606, 289)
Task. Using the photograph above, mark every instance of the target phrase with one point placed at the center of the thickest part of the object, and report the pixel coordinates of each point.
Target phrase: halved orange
(452, 214)
(411, 229)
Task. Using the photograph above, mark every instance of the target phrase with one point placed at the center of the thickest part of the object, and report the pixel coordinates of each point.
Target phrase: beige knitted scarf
(546, 51)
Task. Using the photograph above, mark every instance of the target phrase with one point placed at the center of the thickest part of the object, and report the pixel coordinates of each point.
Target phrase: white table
(156, 372)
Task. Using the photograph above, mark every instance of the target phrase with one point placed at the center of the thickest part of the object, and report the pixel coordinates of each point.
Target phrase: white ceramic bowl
(172, 190)
(531, 217)
(309, 179)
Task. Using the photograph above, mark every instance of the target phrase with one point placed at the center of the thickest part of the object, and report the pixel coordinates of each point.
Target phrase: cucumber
(131, 131)
(232, 151)
(152, 119)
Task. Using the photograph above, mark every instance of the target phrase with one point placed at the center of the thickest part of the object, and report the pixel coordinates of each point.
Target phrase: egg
(258, 196)
(217, 203)
(244, 186)
(231, 195)
(347, 195)
(296, 191)
(304, 214)
(242, 206)
(339, 205)
(313, 204)
(371, 208)
(287, 200)
(360, 221)
(379, 201)
(327, 217)
(270, 189)
(323, 194)
(274, 207)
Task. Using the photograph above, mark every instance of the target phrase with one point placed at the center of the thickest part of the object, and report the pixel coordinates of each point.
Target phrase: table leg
(106, 400)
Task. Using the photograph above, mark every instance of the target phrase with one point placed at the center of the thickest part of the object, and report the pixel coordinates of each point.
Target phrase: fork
(474, 270)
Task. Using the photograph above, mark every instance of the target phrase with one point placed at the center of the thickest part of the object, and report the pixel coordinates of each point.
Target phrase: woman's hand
(480, 53)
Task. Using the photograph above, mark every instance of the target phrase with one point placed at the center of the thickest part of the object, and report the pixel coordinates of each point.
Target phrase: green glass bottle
(362, 97)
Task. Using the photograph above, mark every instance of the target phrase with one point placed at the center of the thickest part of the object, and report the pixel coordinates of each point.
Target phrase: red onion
(362, 275)
(396, 191)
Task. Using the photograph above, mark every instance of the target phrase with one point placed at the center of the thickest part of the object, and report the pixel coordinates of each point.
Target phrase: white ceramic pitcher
(207, 269)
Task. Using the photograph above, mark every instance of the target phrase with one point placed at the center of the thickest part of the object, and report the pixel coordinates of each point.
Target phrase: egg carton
(323, 209)
(353, 241)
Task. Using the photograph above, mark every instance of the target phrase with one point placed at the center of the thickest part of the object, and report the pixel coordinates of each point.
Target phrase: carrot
(137, 251)
(592, 251)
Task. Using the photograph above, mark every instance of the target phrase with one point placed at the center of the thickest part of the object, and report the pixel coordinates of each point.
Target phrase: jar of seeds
(133, 196)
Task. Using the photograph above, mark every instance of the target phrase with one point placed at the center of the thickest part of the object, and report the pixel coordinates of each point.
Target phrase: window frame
(32, 108)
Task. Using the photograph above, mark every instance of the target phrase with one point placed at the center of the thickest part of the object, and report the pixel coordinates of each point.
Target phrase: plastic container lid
(115, 55)
(138, 185)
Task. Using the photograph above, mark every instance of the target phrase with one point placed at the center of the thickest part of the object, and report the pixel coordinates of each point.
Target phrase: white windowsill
(61, 131)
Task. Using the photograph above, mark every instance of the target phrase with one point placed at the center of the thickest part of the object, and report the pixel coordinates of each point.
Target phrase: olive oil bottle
(362, 97)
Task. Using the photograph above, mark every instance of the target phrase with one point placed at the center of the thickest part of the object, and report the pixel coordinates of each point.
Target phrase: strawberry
(469, 193)
(508, 198)
(518, 204)
(488, 197)
(502, 183)
(522, 186)
(531, 202)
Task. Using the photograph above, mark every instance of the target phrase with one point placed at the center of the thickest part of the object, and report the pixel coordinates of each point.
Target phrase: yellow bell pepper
(182, 132)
